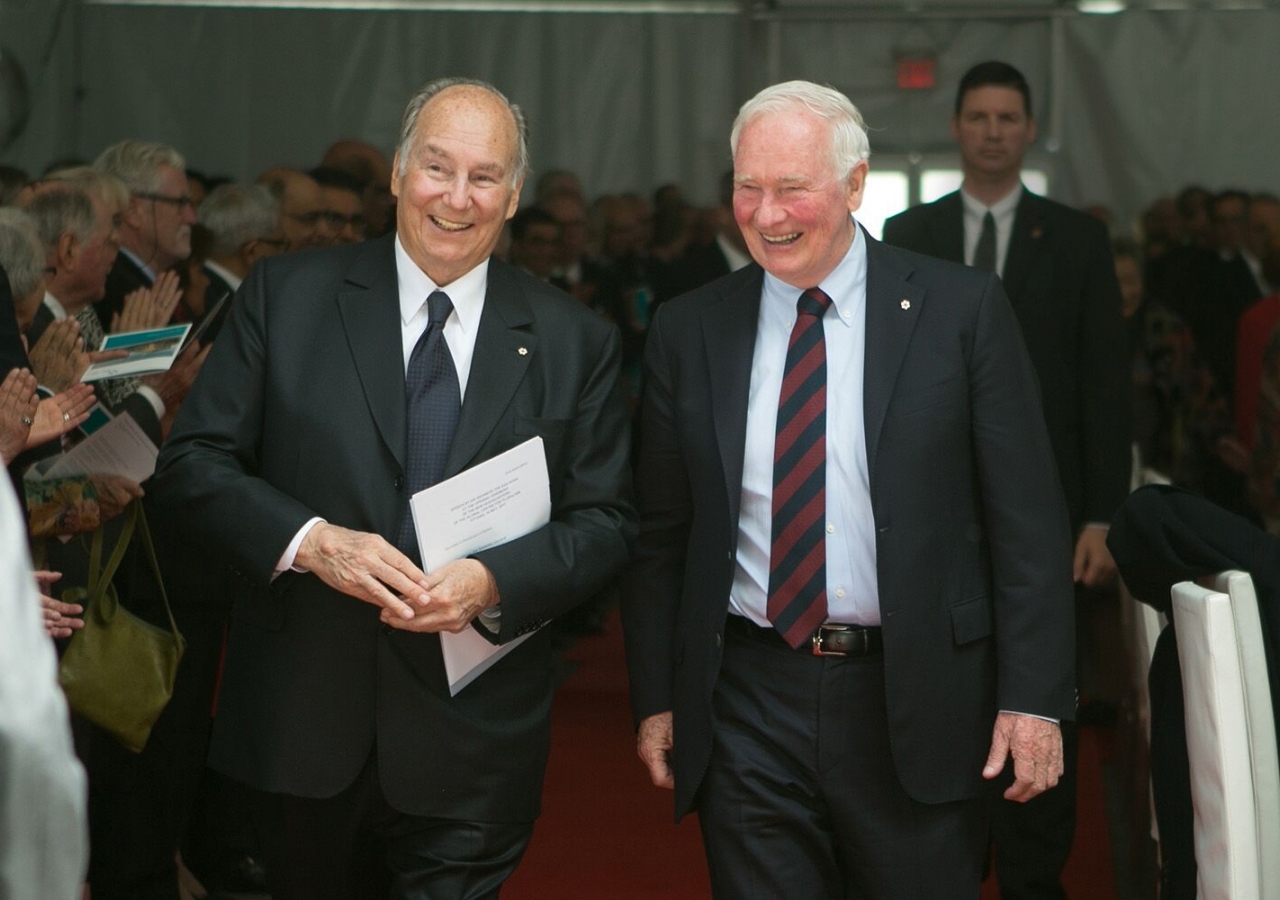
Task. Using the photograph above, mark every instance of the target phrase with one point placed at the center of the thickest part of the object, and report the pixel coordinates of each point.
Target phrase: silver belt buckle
(816, 640)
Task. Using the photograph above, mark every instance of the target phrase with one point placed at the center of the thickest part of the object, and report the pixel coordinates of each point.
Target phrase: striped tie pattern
(797, 602)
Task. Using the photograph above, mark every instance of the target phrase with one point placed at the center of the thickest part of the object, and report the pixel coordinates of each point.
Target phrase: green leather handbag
(118, 670)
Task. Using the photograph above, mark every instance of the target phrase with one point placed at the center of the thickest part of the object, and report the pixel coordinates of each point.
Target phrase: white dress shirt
(467, 294)
(852, 589)
(1003, 211)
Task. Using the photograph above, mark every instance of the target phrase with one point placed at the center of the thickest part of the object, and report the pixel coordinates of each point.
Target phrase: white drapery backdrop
(1130, 106)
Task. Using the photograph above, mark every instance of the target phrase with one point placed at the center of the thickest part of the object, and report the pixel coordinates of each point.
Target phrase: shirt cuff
(489, 619)
(154, 399)
(290, 552)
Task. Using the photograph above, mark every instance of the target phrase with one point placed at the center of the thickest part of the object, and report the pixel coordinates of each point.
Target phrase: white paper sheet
(491, 503)
(119, 447)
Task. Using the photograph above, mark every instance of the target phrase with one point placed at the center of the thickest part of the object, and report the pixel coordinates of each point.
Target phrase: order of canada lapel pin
(906, 304)
(523, 351)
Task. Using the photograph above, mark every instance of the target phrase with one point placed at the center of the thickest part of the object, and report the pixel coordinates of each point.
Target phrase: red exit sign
(917, 73)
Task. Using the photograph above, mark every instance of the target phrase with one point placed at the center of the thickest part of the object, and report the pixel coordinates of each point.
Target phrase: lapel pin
(906, 304)
(523, 351)
(1035, 233)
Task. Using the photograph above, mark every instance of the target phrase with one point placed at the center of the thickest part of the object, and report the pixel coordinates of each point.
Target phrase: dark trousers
(355, 846)
(1033, 839)
(801, 798)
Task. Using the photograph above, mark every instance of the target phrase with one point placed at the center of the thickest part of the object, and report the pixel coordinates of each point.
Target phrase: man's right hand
(363, 566)
(653, 744)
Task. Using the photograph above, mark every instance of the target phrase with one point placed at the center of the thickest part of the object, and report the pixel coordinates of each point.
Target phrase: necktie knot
(438, 308)
(813, 302)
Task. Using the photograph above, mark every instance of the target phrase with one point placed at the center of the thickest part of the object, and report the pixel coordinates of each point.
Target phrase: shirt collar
(467, 292)
(846, 284)
(1001, 208)
(137, 261)
(55, 306)
(231, 278)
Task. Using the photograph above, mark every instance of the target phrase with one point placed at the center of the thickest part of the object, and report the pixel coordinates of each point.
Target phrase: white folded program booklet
(491, 503)
(150, 351)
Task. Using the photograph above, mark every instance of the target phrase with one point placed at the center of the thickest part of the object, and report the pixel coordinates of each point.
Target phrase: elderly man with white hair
(851, 595)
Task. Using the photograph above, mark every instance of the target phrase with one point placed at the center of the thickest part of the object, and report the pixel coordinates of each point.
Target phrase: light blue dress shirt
(852, 588)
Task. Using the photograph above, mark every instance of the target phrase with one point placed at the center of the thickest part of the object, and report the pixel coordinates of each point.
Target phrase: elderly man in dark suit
(295, 458)
(1056, 266)
(851, 594)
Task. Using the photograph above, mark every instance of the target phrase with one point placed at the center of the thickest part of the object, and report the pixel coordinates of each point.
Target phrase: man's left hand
(1093, 565)
(456, 594)
(1036, 746)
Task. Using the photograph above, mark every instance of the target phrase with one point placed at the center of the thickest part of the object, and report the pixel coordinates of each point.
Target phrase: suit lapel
(1024, 244)
(893, 306)
(729, 335)
(369, 305)
(505, 346)
(947, 228)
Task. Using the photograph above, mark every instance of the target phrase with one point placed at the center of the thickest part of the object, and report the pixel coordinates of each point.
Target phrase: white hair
(137, 164)
(238, 213)
(849, 143)
(22, 255)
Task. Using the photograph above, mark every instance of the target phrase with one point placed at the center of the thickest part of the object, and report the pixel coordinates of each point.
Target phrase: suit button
(399, 482)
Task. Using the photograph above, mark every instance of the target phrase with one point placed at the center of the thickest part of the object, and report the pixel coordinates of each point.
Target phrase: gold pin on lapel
(906, 304)
(523, 351)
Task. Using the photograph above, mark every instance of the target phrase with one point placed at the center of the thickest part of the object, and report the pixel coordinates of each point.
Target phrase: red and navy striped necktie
(798, 556)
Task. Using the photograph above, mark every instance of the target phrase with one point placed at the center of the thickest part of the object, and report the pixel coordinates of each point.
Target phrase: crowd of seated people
(135, 240)
(1200, 275)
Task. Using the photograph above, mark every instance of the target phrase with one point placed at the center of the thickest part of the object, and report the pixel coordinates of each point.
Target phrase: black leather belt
(831, 638)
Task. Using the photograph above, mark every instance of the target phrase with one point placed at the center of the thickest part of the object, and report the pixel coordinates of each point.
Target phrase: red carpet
(606, 832)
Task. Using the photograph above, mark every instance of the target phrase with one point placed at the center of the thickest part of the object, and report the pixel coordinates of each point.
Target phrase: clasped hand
(367, 567)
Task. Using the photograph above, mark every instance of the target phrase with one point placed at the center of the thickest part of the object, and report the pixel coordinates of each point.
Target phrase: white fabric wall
(1139, 104)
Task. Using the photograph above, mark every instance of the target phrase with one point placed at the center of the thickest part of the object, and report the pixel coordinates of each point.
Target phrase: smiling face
(456, 187)
(794, 209)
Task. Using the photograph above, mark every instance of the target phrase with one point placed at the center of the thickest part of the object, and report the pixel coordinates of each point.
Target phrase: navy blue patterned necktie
(433, 402)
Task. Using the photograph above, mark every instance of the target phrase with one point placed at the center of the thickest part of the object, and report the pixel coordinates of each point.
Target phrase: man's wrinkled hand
(1036, 747)
(653, 745)
(456, 594)
(363, 566)
(1093, 565)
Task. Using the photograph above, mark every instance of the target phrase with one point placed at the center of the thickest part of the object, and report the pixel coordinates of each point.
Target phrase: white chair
(1260, 708)
(1231, 742)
